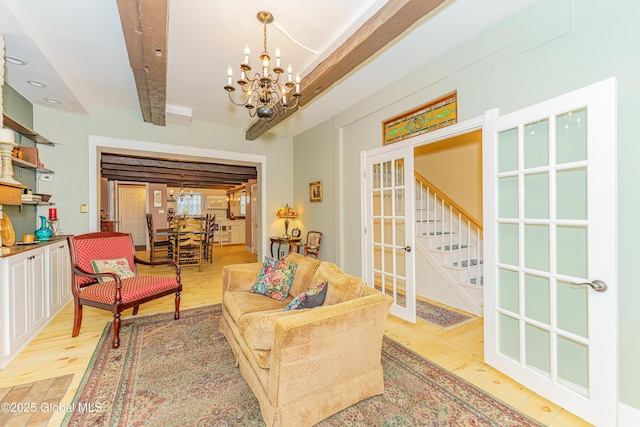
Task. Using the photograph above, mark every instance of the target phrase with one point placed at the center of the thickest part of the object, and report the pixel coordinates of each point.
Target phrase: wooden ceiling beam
(176, 173)
(386, 25)
(144, 24)
(187, 174)
(177, 164)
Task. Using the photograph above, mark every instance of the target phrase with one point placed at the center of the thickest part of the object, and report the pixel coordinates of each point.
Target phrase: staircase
(449, 266)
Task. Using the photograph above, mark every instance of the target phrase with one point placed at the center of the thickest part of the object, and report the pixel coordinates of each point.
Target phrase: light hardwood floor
(460, 349)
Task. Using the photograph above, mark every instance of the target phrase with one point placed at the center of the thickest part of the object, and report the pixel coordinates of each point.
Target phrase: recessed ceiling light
(53, 101)
(36, 83)
(15, 60)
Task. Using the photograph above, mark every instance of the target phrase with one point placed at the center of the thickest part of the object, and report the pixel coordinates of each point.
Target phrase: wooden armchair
(116, 292)
(312, 247)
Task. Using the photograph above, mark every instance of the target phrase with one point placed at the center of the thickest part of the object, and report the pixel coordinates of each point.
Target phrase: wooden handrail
(447, 199)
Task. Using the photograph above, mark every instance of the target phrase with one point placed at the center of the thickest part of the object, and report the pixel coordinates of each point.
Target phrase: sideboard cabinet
(35, 286)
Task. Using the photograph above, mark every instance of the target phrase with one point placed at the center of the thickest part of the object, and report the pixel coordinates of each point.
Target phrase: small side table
(280, 240)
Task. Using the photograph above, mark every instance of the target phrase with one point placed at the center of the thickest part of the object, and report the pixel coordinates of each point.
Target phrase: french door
(389, 227)
(550, 249)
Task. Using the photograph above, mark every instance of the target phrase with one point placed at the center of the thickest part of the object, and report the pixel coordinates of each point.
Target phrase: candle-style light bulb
(297, 83)
(246, 54)
(229, 75)
(289, 71)
(278, 57)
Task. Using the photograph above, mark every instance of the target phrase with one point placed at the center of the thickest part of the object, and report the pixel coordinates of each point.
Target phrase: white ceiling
(77, 48)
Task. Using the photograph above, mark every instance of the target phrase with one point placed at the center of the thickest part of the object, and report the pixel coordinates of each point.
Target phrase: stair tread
(453, 247)
(474, 262)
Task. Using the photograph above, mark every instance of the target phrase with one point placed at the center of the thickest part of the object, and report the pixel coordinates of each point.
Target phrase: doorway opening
(99, 145)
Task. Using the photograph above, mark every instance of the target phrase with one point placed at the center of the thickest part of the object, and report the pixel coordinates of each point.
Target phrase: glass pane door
(550, 237)
(390, 229)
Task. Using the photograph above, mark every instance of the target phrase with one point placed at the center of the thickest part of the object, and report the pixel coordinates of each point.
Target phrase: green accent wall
(546, 50)
(18, 108)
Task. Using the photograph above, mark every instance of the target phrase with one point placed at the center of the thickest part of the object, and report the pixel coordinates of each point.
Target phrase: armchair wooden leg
(177, 315)
(77, 318)
(116, 330)
(135, 309)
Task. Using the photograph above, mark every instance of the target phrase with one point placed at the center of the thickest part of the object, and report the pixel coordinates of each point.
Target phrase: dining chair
(188, 243)
(209, 226)
(104, 275)
(157, 246)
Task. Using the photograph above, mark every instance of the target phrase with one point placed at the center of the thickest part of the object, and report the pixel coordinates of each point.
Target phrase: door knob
(596, 285)
(406, 248)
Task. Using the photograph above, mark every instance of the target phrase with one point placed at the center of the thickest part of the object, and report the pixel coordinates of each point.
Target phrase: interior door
(550, 249)
(132, 207)
(389, 225)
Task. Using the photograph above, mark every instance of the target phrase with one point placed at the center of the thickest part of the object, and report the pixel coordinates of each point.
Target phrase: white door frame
(424, 139)
(104, 144)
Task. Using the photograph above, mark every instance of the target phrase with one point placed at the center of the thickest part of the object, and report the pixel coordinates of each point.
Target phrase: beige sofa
(305, 365)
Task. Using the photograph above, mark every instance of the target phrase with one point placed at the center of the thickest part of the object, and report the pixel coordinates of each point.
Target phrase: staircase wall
(437, 283)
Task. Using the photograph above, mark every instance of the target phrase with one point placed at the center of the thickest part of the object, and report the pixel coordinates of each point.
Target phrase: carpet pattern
(436, 314)
(181, 373)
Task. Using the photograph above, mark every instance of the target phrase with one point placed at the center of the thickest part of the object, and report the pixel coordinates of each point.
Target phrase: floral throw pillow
(275, 278)
(120, 266)
(312, 298)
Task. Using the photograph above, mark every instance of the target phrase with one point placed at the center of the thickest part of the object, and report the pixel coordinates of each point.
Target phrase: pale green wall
(551, 48)
(316, 162)
(71, 158)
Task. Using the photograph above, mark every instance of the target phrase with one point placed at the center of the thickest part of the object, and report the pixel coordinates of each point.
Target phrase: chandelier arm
(237, 103)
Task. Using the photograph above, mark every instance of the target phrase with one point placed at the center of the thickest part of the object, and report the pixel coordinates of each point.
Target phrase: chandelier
(263, 96)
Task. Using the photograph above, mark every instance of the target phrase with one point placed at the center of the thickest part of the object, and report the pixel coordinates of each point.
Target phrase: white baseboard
(628, 416)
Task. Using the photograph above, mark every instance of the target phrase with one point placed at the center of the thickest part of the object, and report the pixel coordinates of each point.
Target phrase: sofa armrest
(240, 277)
(326, 345)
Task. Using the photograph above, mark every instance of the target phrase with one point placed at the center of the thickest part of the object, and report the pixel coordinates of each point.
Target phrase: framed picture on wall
(157, 198)
(315, 191)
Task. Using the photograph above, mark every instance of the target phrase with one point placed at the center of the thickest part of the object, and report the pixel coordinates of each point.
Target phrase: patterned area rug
(436, 314)
(181, 373)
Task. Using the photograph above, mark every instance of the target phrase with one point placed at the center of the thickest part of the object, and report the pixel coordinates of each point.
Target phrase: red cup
(53, 213)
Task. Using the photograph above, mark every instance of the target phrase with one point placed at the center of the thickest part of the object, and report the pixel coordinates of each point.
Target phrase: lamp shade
(287, 212)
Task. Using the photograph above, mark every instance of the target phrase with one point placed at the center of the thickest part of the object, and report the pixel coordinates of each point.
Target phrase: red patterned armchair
(104, 275)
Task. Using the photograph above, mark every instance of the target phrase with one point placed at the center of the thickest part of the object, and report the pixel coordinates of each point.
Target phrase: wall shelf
(29, 165)
(25, 131)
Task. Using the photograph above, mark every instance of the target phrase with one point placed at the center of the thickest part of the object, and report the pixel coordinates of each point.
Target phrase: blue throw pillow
(312, 298)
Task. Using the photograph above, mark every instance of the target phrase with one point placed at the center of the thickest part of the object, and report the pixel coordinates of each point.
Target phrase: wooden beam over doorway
(385, 26)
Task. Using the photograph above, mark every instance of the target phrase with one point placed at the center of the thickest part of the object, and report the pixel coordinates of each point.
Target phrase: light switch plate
(84, 208)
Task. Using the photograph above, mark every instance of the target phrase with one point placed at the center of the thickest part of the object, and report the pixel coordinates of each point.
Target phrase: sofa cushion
(239, 303)
(275, 278)
(303, 280)
(344, 287)
(314, 297)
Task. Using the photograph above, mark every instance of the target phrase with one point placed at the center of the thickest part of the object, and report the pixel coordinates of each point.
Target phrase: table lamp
(286, 213)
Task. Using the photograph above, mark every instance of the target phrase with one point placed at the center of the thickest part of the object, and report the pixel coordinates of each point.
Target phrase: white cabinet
(59, 276)
(35, 285)
(232, 232)
(25, 309)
